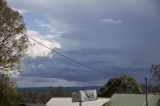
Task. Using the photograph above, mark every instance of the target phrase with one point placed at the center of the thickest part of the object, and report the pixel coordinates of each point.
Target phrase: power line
(84, 65)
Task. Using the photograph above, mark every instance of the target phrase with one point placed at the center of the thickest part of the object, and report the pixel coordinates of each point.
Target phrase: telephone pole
(146, 81)
(80, 103)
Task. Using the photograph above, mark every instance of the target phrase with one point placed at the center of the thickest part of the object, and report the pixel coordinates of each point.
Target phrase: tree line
(43, 97)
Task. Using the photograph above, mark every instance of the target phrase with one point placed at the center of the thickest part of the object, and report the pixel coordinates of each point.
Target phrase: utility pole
(80, 103)
(146, 81)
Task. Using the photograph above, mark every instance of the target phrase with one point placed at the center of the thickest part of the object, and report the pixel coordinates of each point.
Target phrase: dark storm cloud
(108, 62)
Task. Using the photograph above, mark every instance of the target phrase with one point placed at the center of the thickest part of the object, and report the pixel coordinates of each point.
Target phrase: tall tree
(12, 43)
(156, 74)
(12, 47)
(156, 71)
(120, 84)
(9, 96)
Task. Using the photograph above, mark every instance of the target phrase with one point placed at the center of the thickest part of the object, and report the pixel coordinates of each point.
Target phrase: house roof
(68, 102)
(134, 100)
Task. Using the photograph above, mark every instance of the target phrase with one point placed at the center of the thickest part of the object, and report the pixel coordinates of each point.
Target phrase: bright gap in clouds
(37, 50)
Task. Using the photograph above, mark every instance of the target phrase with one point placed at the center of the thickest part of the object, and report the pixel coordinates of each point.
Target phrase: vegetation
(12, 44)
(120, 84)
(158, 103)
(43, 97)
(156, 74)
(109, 103)
(9, 96)
(156, 71)
(12, 48)
(59, 92)
(152, 88)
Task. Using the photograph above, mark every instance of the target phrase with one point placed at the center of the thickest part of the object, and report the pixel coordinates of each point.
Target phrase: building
(68, 102)
(133, 100)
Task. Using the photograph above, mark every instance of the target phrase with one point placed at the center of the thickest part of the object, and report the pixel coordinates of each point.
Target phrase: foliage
(58, 92)
(12, 47)
(36, 97)
(109, 103)
(12, 43)
(156, 71)
(8, 92)
(120, 84)
(156, 88)
(152, 88)
(158, 103)
(43, 97)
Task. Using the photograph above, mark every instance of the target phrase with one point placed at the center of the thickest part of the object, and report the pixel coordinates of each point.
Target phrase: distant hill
(44, 89)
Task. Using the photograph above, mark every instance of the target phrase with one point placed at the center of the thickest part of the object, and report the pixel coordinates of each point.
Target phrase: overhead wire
(75, 61)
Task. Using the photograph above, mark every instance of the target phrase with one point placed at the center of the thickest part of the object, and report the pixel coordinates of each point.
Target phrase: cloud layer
(111, 21)
(115, 36)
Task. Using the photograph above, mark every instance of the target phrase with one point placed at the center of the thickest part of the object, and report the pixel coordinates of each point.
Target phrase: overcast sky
(116, 37)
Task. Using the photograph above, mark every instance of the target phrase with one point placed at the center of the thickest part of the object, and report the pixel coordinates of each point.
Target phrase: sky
(116, 37)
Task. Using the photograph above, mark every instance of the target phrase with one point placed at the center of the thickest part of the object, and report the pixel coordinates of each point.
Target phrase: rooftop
(134, 99)
(68, 102)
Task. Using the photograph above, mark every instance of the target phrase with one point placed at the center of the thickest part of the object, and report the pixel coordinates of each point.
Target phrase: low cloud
(55, 82)
(108, 63)
(53, 26)
(111, 21)
(37, 50)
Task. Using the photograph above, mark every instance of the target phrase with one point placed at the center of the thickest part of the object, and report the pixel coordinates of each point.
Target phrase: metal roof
(134, 100)
(68, 102)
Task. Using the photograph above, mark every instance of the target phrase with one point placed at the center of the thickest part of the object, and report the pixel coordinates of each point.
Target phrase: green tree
(158, 103)
(120, 84)
(58, 92)
(156, 74)
(12, 48)
(12, 44)
(156, 71)
(9, 96)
